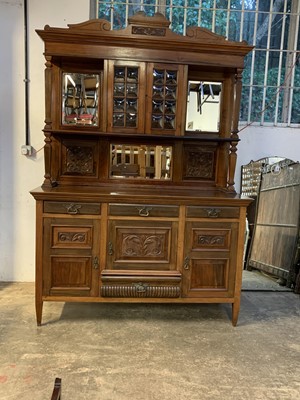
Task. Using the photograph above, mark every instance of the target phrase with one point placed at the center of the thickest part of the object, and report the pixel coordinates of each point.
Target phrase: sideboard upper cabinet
(141, 132)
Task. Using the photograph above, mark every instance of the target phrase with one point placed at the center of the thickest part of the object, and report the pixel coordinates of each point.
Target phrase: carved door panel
(142, 245)
(126, 96)
(210, 259)
(71, 261)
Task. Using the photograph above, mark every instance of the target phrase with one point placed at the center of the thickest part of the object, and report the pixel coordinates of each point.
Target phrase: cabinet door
(125, 96)
(166, 98)
(210, 259)
(71, 257)
(142, 245)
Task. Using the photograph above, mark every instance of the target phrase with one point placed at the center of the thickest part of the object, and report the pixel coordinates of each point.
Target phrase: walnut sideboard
(138, 202)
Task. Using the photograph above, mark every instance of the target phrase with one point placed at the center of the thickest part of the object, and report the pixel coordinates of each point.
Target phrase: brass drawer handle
(73, 209)
(144, 211)
(140, 287)
(186, 264)
(213, 212)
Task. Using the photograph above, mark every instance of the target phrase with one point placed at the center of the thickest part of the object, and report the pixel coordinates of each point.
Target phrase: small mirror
(203, 106)
(140, 161)
(80, 99)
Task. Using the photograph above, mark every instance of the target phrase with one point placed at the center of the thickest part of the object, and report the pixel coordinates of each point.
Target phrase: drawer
(72, 208)
(142, 210)
(212, 212)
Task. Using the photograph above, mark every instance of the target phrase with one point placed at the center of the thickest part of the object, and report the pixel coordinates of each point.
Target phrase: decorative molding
(91, 25)
(204, 35)
(140, 290)
(142, 246)
(148, 31)
(71, 237)
(211, 240)
(199, 164)
(79, 160)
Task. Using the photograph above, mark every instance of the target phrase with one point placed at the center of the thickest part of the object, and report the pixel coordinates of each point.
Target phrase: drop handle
(96, 263)
(144, 211)
(73, 209)
(186, 264)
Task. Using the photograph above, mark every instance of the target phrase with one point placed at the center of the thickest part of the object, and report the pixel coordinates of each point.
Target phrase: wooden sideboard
(138, 202)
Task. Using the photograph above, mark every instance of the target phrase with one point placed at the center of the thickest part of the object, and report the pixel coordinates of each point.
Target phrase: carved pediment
(204, 35)
(92, 25)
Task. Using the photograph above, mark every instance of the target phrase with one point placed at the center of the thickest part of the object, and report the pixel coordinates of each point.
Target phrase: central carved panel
(142, 244)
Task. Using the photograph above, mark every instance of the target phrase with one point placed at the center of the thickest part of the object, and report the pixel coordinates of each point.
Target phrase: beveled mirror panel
(80, 99)
(203, 106)
(140, 161)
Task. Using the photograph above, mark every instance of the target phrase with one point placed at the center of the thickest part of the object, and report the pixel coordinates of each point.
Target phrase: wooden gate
(276, 231)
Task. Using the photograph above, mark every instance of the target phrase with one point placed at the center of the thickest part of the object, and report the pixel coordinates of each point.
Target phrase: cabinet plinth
(138, 202)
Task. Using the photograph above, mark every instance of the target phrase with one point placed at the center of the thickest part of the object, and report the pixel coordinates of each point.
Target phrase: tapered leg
(39, 311)
(235, 311)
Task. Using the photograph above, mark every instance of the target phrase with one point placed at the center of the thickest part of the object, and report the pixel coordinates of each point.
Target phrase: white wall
(19, 174)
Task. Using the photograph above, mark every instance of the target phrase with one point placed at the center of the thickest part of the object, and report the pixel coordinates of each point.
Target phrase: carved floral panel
(199, 163)
(204, 239)
(143, 244)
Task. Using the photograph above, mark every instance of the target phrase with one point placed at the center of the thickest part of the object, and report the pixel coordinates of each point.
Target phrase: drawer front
(72, 208)
(212, 212)
(141, 210)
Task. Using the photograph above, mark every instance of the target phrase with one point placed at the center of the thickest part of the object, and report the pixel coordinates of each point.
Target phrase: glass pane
(273, 68)
(259, 67)
(221, 22)
(295, 118)
(248, 28)
(244, 104)
(247, 69)
(234, 26)
(206, 18)
(80, 99)
(164, 94)
(203, 106)
(270, 102)
(276, 30)
(125, 96)
(256, 105)
(140, 161)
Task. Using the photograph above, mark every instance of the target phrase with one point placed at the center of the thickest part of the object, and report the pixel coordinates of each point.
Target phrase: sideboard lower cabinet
(71, 257)
(141, 132)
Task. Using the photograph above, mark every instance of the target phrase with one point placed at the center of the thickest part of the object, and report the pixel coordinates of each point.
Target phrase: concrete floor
(150, 352)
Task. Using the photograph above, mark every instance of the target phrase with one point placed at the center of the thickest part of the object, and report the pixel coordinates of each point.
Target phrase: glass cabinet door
(165, 86)
(125, 97)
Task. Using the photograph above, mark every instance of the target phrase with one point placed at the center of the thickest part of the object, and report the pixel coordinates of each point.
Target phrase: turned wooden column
(234, 131)
(48, 182)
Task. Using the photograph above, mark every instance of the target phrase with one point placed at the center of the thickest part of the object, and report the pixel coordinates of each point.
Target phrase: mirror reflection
(140, 161)
(203, 106)
(80, 99)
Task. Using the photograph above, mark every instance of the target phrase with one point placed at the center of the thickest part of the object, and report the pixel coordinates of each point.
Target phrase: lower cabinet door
(210, 259)
(142, 245)
(71, 257)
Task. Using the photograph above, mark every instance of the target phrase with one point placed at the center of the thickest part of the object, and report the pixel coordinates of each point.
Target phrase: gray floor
(151, 352)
